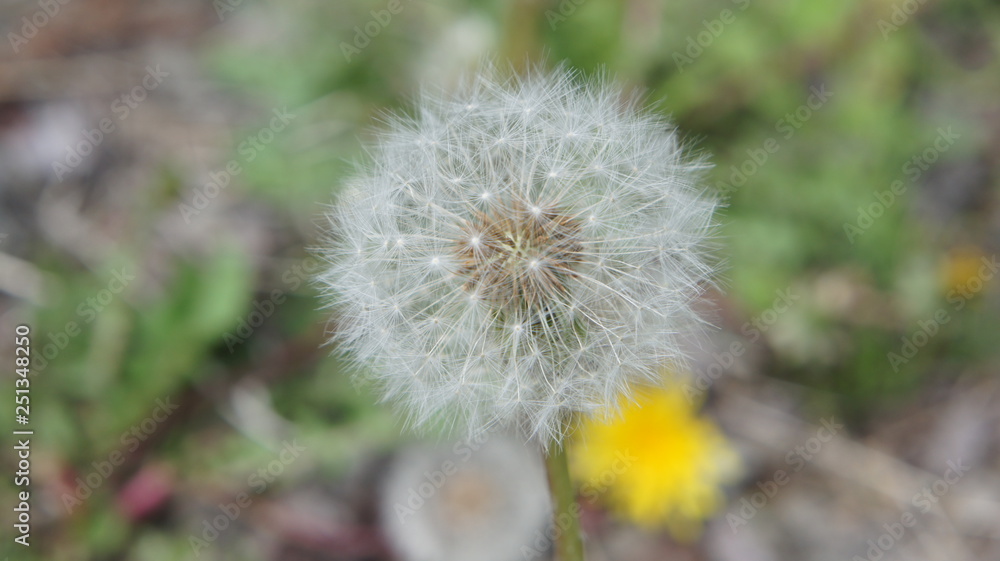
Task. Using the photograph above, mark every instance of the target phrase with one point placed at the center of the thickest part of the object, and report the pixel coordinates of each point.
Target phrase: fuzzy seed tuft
(497, 266)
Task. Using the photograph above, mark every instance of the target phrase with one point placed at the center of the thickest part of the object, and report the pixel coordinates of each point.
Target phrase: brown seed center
(519, 256)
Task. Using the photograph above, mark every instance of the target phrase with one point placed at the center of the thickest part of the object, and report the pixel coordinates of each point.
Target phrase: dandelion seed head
(493, 502)
(499, 267)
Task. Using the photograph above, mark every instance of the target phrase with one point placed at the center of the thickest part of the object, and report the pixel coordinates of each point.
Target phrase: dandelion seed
(571, 258)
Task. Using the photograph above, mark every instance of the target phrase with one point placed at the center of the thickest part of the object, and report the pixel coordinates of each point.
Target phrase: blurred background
(164, 168)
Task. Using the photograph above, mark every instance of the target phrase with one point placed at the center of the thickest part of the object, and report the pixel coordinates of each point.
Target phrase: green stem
(565, 510)
(521, 44)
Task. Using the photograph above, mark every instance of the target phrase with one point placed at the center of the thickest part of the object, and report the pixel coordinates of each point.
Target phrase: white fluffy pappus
(518, 251)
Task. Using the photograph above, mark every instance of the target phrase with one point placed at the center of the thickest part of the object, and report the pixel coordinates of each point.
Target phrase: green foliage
(783, 226)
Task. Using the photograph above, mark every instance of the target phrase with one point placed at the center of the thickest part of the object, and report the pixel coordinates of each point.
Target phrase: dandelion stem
(565, 510)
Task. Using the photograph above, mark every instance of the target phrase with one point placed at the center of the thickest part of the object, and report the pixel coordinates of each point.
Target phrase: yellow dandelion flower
(961, 270)
(657, 462)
